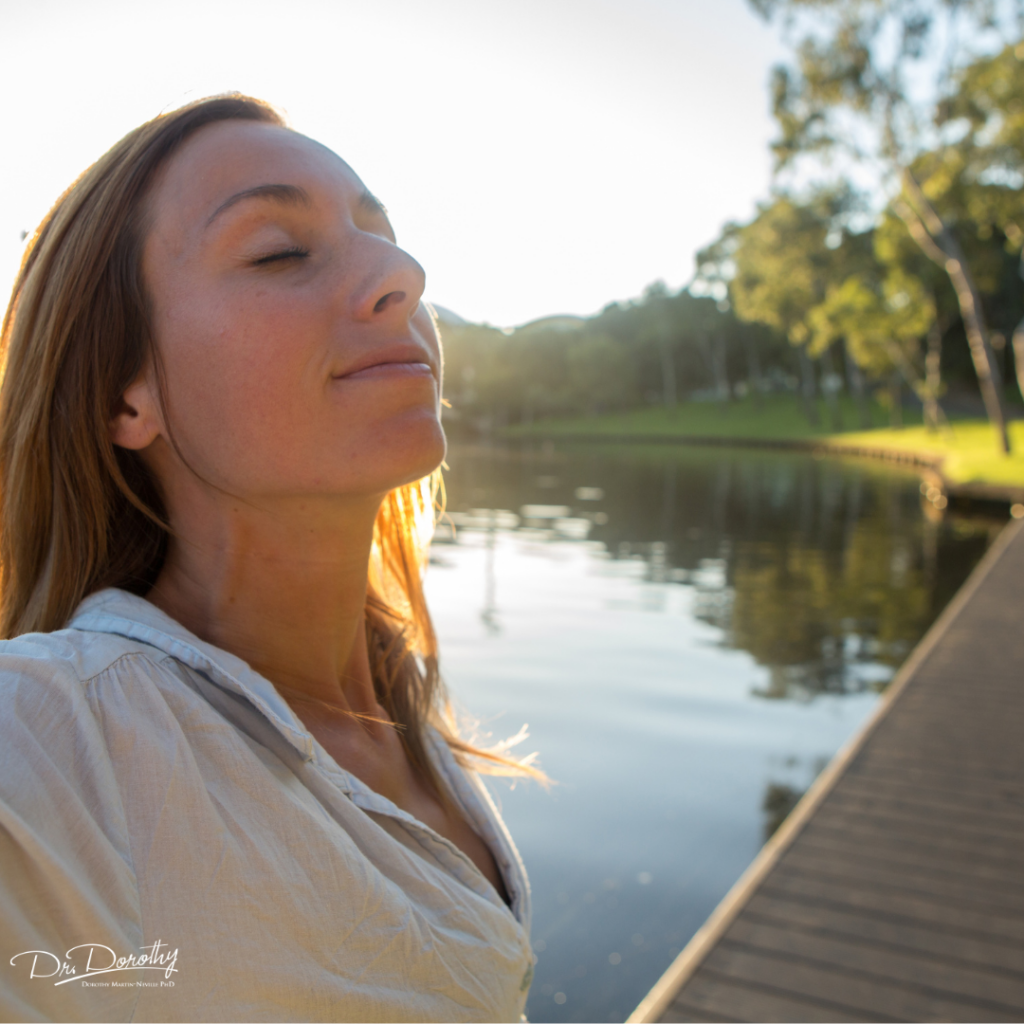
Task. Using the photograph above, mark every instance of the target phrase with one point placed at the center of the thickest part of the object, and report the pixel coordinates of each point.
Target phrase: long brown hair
(78, 514)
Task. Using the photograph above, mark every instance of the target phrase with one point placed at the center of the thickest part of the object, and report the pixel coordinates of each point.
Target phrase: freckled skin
(271, 319)
(249, 351)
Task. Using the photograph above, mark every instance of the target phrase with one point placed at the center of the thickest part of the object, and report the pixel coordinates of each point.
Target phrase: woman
(228, 790)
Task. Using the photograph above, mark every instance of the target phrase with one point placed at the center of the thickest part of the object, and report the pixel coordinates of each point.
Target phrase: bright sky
(537, 156)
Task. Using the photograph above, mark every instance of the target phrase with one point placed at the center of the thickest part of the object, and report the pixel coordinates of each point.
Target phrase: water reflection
(824, 570)
(779, 800)
(691, 634)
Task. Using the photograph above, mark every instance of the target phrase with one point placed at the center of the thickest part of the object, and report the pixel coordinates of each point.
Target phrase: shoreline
(929, 462)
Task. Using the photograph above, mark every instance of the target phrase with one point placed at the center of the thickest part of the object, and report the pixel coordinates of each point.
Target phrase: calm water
(691, 634)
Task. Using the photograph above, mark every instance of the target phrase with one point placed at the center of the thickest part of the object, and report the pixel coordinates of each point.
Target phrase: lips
(398, 361)
(390, 370)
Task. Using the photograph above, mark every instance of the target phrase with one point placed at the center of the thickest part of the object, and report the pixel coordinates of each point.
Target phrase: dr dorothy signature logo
(96, 959)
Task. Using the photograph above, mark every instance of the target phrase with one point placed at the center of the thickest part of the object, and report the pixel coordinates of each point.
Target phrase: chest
(384, 766)
(281, 893)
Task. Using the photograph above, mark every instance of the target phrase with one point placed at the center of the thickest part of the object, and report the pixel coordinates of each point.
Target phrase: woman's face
(298, 360)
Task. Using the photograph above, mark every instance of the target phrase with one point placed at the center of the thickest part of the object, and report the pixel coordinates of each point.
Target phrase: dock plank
(894, 891)
(733, 999)
(1002, 993)
(943, 945)
(833, 890)
(869, 836)
(890, 851)
(910, 812)
(986, 795)
(860, 992)
(960, 889)
(843, 817)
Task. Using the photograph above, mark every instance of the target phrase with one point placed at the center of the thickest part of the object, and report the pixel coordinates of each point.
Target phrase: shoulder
(65, 660)
(66, 871)
(48, 705)
(62, 723)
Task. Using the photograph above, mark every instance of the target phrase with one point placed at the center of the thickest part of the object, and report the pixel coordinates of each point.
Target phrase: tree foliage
(908, 280)
(866, 84)
(618, 359)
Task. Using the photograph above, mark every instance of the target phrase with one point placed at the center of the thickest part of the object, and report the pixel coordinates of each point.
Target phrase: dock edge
(654, 1004)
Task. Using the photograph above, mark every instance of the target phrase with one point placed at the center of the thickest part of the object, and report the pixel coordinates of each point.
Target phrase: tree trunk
(808, 393)
(855, 377)
(754, 372)
(933, 378)
(983, 357)
(668, 374)
(919, 385)
(721, 372)
(830, 385)
(1018, 355)
(1018, 341)
(937, 242)
(895, 401)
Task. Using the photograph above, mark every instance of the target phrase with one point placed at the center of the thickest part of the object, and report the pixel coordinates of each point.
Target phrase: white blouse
(175, 845)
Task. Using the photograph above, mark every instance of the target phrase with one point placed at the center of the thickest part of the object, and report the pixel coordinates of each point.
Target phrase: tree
(882, 323)
(600, 372)
(656, 299)
(854, 92)
(989, 100)
(781, 266)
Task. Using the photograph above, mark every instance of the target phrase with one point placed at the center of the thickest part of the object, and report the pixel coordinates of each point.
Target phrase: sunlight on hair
(402, 642)
(66, 492)
(499, 760)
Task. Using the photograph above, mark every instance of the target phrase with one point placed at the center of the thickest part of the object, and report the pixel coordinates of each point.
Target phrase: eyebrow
(369, 202)
(286, 194)
(293, 195)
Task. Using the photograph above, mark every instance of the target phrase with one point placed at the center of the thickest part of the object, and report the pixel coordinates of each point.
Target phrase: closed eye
(284, 254)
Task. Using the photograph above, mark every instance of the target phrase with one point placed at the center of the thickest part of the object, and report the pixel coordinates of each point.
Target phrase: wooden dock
(895, 889)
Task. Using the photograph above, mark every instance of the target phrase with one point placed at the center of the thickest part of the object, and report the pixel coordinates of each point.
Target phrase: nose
(393, 288)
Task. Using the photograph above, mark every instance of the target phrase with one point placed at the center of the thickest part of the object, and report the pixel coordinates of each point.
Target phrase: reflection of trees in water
(779, 800)
(853, 584)
(780, 797)
(818, 568)
(812, 616)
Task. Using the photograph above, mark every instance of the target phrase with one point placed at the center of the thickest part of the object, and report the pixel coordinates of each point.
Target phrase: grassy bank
(778, 416)
(967, 450)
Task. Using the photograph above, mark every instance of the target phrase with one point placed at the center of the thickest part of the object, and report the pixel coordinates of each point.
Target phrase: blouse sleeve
(68, 888)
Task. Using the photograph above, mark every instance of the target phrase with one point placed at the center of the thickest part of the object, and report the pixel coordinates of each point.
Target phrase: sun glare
(537, 158)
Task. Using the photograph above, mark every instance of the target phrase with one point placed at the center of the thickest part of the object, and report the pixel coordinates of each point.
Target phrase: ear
(138, 421)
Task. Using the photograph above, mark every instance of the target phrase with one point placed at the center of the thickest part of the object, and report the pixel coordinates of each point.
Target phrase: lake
(691, 633)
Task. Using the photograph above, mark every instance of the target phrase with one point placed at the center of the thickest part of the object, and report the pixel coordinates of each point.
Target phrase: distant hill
(560, 322)
(446, 316)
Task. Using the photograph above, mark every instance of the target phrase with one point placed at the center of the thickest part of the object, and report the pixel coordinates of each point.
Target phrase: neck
(283, 588)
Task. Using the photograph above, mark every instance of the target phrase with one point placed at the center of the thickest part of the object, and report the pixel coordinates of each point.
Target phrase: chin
(409, 451)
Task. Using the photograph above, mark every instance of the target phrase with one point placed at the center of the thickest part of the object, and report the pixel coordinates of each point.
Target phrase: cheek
(240, 382)
(253, 409)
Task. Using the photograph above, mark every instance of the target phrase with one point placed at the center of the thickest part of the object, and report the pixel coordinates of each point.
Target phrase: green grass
(967, 449)
(778, 417)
